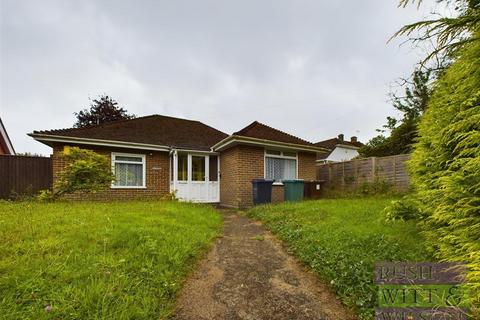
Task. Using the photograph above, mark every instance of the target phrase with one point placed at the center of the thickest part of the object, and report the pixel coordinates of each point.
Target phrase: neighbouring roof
(150, 130)
(332, 143)
(5, 143)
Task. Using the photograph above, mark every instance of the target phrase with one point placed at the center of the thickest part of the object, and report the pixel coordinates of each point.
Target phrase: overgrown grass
(121, 260)
(341, 239)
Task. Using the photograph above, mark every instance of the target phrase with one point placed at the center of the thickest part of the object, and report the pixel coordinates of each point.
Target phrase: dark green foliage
(85, 171)
(102, 110)
(378, 187)
(378, 146)
(341, 239)
(403, 132)
(445, 165)
(415, 101)
(400, 141)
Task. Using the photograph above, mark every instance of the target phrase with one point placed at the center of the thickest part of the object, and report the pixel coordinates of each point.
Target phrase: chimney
(353, 139)
(340, 137)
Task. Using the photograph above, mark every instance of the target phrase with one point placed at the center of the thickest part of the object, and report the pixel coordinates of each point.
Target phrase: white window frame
(144, 169)
(280, 156)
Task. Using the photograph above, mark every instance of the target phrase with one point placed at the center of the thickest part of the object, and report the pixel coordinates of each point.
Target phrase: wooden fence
(24, 175)
(350, 175)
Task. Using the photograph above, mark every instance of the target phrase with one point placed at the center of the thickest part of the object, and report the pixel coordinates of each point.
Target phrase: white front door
(195, 177)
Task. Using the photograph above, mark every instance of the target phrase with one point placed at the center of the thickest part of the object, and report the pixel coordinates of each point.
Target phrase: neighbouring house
(155, 155)
(340, 150)
(6, 146)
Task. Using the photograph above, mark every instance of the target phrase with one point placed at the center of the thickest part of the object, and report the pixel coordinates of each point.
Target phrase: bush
(85, 171)
(403, 209)
(45, 196)
(378, 187)
(445, 165)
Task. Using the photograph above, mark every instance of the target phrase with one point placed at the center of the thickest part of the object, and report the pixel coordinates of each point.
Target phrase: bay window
(280, 165)
(129, 170)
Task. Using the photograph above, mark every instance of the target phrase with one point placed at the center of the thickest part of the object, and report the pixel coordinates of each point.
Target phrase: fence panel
(24, 175)
(349, 175)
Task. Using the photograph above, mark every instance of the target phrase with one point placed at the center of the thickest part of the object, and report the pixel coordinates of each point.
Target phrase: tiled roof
(261, 131)
(332, 143)
(154, 129)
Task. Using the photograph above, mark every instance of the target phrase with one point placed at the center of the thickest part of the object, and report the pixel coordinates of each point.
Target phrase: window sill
(125, 187)
(277, 184)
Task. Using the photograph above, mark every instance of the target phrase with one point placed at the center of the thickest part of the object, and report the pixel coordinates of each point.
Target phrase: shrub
(377, 187)
(403, 209)
(445, 165)
(45, 196)
(85, 171)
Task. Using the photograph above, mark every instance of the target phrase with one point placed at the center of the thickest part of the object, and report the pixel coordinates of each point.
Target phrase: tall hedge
(445, 165)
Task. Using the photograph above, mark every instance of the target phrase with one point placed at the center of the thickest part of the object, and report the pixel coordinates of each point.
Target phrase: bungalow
(340, 150)
(155, 155)
(6, 147)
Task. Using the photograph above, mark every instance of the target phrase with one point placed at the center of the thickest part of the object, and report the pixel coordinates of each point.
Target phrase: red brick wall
(228, 177)
(240, 164)
(251, 166)
(278, 193)
(157, 175)
(306, 166)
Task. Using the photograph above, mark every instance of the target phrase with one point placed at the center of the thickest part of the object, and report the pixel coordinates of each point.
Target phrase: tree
(403, 131)
(445, 165)
(103, 109)
(448, 34)
(85, 171)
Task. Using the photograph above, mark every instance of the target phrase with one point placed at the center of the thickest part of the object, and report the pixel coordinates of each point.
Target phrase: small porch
(195, 176)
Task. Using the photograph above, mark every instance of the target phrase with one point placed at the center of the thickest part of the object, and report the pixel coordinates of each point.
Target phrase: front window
(280, 165)
(129, 170)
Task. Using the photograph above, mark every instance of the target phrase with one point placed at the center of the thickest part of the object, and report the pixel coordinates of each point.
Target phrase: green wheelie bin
(293, 189)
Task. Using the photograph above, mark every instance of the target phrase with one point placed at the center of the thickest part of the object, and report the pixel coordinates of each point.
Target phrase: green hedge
(445, 165)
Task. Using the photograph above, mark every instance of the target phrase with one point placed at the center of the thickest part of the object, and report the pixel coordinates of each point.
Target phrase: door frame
(189, 183)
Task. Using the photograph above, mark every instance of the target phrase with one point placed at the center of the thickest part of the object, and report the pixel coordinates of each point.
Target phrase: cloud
(311, 68)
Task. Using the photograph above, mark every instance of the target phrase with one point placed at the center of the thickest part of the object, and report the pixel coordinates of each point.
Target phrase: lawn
(121, 260)
(341, 239)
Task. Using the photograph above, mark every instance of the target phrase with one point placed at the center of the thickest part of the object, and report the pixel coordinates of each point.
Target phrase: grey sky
(311, 68)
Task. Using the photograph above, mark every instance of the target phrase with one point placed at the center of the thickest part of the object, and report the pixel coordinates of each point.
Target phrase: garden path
(248, 274)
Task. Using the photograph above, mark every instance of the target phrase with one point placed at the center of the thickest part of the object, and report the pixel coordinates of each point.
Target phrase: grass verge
(341, 239)
(120, 260)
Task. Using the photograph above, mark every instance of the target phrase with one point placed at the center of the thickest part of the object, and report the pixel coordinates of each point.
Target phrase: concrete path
(248, 275)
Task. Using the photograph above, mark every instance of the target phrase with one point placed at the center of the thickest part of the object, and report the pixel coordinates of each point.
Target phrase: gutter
(98, 142)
